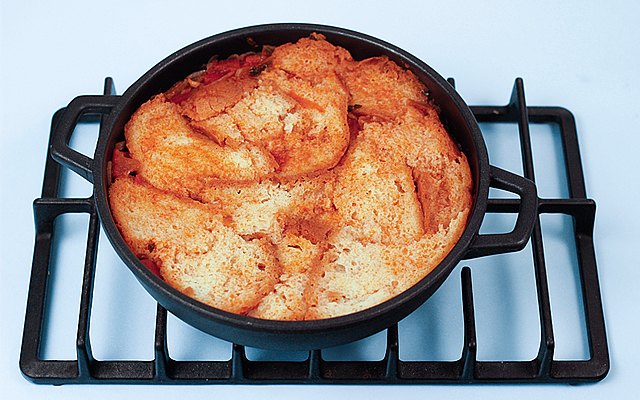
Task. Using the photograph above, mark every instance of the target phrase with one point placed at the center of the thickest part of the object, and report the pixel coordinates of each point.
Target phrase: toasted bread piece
(209, 100)
(375, 196)
(379, 87)
(299, 259)
(310, 58)
(251, 209)
(355, 276)
(439, 169)
(195, 252)
(176, 158)
(351, 279)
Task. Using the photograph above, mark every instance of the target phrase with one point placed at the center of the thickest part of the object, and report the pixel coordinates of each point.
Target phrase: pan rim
(173, 297)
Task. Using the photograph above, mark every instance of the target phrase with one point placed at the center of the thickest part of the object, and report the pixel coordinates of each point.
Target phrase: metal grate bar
(161, 351)
(238, 359)
(315, 359)
(469, 352)
(547, 343)
(83, 344)
(392, 356)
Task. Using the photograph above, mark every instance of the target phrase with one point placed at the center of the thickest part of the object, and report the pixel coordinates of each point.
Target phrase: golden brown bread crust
(300, 184)
(382, 88)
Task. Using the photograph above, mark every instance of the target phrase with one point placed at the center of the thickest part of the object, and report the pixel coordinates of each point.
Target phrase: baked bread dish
(292, 184)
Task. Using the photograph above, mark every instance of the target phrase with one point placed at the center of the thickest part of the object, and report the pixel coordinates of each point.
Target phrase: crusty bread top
(293, 184)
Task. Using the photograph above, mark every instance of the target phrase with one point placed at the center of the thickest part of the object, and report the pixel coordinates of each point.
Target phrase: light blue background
(580, 55)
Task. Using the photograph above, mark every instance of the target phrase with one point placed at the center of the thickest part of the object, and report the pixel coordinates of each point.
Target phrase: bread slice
(375, 196)
(310, 58)
(299, 259)
(209, 100)
(174, 157)
(193, 249)
(379, 87)
(439, 169)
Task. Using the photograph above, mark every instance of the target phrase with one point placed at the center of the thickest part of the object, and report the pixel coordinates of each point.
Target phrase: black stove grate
(316, 370)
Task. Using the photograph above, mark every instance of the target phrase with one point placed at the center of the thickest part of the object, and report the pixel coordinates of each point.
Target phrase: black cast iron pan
(294, 335)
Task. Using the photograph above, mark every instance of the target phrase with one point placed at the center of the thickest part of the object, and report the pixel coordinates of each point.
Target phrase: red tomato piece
(180, 97)
(253, 60)
(123, 164)
(218, 69)
(151, 266)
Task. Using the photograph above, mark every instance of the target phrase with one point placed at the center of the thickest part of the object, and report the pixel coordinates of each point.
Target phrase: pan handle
(497, 243)
(81, 106)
